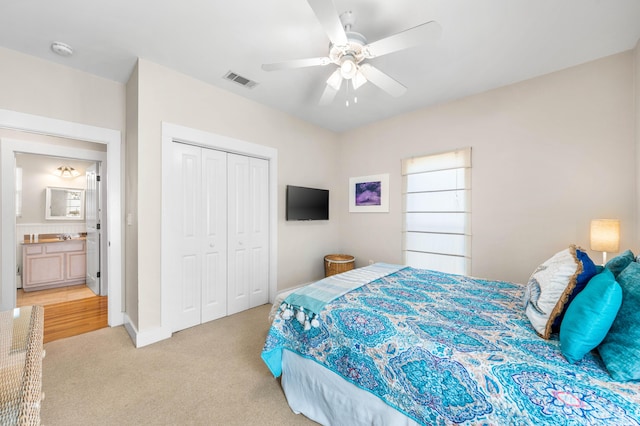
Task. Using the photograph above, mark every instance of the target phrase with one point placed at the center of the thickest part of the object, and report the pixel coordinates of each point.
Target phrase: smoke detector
(61, 49)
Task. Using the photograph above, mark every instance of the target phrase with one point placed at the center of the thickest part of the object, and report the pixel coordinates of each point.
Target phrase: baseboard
(115, 319)
(145, 338)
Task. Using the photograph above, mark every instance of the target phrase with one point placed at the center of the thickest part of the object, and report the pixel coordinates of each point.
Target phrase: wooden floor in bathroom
(68, 311)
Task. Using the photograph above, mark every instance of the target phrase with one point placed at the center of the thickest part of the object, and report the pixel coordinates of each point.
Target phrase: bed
(425, 347)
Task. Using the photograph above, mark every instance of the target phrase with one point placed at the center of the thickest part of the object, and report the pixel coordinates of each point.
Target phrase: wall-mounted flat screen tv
(307, 203)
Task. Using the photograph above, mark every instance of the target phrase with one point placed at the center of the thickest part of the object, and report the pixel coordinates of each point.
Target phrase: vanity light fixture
(66, 172)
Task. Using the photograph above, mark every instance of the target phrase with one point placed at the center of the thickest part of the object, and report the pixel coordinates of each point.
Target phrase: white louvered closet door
(248, 216)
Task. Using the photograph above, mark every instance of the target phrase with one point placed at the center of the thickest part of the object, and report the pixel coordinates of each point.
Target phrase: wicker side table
(21, 353)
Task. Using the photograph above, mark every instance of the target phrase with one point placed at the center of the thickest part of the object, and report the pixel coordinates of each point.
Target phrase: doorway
(58, 255)
(111, 245)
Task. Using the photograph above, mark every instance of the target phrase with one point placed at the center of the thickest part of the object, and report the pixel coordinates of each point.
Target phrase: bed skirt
(326, 398)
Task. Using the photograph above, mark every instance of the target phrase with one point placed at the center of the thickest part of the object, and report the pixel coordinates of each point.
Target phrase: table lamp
(605, 236)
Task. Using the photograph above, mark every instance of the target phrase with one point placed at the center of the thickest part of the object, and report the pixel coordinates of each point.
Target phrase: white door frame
(65, 129)
(177, 133)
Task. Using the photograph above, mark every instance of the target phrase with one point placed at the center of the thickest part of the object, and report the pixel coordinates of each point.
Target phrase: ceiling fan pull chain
(355, 95)
(347, 91)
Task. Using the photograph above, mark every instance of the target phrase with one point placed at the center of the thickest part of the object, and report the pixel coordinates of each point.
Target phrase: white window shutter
(437, 211)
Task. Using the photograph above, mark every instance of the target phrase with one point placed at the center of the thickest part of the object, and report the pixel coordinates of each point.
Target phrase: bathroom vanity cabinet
(53, 264)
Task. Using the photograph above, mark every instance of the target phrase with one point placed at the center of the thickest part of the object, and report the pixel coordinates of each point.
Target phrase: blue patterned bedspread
(448, 349)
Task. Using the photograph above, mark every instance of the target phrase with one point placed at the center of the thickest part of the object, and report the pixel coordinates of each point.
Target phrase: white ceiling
(484, 44)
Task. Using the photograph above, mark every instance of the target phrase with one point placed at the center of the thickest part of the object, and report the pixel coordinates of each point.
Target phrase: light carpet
(210, 374)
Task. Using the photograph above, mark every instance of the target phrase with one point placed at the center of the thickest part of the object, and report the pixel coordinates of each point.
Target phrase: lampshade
(605, 235)
(67, 172)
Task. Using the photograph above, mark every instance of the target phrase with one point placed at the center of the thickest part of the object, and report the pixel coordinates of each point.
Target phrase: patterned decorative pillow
(549, 288)
(620, 350)
(589, 317)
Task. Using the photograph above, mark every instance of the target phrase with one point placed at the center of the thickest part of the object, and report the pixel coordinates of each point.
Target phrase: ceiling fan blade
(328, 95)
(326, 13)
(382, 80)
(429, 31)
(297, 63)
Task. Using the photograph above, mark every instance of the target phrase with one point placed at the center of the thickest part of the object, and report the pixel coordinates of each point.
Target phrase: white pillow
(549, 288)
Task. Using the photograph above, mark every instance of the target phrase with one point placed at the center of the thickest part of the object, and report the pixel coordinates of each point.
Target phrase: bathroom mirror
(64, 204)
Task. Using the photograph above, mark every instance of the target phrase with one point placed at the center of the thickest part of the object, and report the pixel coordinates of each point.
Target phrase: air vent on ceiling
(243, 81)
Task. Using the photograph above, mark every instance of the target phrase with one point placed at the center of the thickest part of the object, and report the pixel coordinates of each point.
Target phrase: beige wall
(130, 292)
(306, 156)
(39, 87)
(549, 155)
(34, 86)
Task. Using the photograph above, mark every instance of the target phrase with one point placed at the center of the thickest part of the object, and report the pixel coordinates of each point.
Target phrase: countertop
(53, 238)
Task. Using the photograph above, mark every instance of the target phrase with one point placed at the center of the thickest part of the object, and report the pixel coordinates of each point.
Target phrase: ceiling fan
(349, 50)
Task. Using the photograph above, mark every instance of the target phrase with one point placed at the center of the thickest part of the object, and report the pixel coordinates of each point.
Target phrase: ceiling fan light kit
(358, 80)
(335, 80)
(348, 67)
(349, 50)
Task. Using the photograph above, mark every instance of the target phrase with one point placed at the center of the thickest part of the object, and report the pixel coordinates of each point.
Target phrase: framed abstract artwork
(369, 194)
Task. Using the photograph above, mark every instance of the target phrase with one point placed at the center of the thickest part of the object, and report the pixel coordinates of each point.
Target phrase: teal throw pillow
(620, 350)
(589, 317)
(621, 261)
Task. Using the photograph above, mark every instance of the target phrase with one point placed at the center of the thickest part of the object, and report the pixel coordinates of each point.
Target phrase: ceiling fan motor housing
(354, 48)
